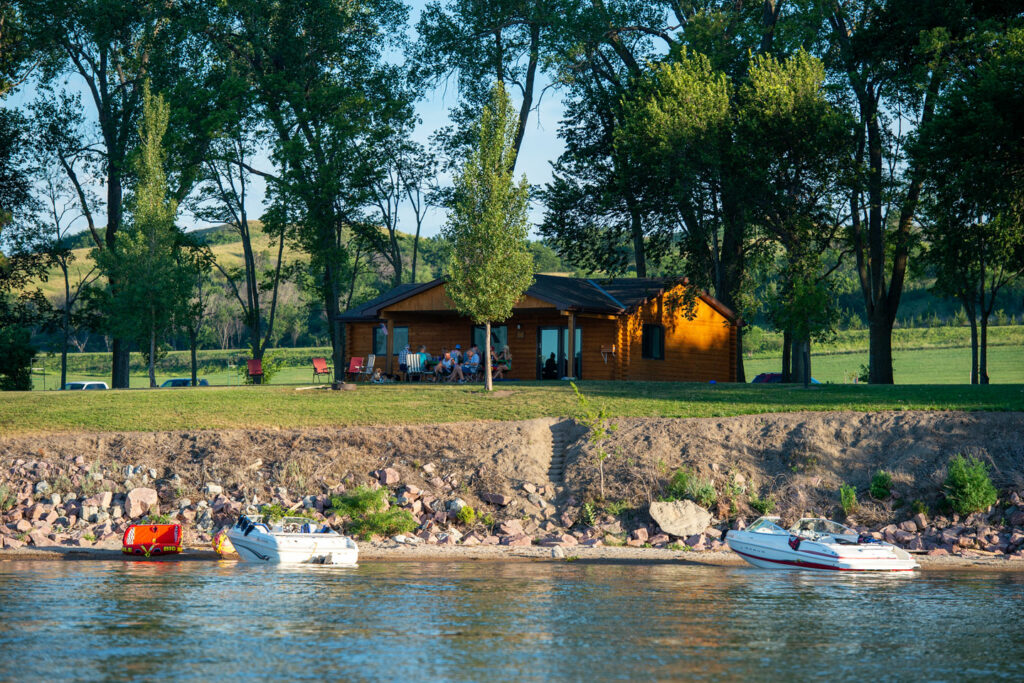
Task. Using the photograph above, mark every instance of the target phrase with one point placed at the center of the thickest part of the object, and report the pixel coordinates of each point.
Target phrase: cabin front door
(553, 351)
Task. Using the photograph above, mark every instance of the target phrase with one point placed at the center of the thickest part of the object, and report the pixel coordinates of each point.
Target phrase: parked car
(773, 378)
(183, 382)
(82, 386)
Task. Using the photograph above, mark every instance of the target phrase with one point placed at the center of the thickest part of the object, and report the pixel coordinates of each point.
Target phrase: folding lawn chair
(320, 368)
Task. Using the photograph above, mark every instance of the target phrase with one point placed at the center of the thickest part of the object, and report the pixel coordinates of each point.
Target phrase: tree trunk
(67, 328)
(120, 350)
(879, 349)
(974, 349)
(193, 342)
(488, 382)
(152, 357)
(334, 324)
(639, 255)
(787, 363)
(983, 350)
(806, 351)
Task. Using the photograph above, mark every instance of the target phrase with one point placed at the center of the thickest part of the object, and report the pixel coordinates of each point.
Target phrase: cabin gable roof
(613, 296)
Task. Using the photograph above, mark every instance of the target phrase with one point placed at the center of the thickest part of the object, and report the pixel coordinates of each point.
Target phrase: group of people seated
(454, 365)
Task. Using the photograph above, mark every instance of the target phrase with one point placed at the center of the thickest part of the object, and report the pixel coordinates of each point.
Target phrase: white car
(80, 386)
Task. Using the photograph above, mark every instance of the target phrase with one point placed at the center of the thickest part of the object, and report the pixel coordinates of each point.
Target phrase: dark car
(773, 378)
(183, 382)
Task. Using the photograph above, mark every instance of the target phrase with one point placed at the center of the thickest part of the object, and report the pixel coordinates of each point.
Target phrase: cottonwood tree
(222, 199)
(480, 43)
(972, 150)
(58, 216)
(111, 48)
(491, 266)
(320, 83)
(155, 281)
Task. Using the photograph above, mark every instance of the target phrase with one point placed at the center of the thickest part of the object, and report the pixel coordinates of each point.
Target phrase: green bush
(365, 507)
(7, 498)
(271, 366)
(467, 515)
(968, 487)
(881, 485)
(764, 506)
(387, 523)
(919, 507)
(362, 500)
(847, 499)
(686, 485)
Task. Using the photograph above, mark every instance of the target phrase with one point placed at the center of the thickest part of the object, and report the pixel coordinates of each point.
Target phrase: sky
(540, 147)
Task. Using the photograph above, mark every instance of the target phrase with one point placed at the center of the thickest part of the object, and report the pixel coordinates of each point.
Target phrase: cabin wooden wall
(446, 331)
(696, 350)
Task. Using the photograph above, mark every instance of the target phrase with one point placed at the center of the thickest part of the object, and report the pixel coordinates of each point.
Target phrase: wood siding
(696, 350)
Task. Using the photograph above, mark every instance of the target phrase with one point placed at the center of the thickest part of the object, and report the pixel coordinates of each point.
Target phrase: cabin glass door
(553, 352)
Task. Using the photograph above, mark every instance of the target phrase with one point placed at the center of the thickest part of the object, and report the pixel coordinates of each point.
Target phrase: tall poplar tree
(491, 266)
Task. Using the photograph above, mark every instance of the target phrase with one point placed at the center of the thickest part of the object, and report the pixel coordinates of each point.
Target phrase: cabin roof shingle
(613, 296)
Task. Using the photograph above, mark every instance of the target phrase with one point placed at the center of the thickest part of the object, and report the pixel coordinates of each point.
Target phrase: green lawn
(270, 406)
(924, 366)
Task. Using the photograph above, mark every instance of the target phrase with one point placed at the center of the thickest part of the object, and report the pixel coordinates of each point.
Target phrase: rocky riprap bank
(77, 504)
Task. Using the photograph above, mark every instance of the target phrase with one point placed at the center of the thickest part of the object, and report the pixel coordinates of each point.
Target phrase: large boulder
(140, 501)
(680, 517)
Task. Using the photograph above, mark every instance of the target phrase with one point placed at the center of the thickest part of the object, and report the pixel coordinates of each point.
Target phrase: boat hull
(774, 552)
(259, 546)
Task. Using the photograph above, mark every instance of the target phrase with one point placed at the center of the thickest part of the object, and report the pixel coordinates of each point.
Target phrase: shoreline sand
(393, 552)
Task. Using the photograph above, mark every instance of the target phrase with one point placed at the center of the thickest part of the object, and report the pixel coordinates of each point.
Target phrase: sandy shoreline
(383, 552)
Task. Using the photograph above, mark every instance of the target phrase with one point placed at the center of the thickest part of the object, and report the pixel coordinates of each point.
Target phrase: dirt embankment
(534, 475)
(801, 459)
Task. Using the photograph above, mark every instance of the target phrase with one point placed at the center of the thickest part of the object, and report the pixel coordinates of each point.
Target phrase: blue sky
(540, 146)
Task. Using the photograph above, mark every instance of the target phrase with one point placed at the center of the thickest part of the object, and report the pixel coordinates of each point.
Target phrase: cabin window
(499, 337)
(380, 339)
(652, 341)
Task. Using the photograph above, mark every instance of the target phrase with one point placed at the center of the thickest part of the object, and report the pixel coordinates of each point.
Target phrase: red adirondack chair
(321, 368)
(355, 365)
(255, 368)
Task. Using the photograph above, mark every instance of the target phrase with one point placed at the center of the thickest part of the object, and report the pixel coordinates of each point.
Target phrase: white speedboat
(292, 540)
(815, 543)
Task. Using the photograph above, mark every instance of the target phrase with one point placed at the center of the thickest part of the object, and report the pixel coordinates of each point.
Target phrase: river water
(502, 621)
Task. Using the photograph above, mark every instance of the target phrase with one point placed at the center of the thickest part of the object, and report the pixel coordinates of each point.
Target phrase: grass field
(284, 407)
(924, 366)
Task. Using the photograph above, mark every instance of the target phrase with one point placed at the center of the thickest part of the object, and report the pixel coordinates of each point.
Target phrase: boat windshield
(817, 525)
(767, 525)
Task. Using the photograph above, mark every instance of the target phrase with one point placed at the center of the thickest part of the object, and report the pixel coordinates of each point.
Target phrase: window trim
(645, 351)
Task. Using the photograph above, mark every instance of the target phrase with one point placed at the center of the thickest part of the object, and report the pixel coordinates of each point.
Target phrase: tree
(796, 146)
(482, 43)
(973, 153)
(491, 266)
(21, 261)
(222, 199)
(317, 74)
(112, 47)
(155, 285)
(58, 216)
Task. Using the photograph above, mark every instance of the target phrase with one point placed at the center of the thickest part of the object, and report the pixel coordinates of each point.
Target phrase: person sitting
(403, 362)
(444, 365)
(550, 368)
(501, 363)
(378, 377)
(472, 365)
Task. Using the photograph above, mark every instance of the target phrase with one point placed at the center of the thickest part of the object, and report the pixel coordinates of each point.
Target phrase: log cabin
(614, 329)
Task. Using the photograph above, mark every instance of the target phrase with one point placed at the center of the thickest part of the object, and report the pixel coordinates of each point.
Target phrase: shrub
(7, 498)
(968, 487)
(369, 514)
(271, 366)
(686, 485)
(881, 485)
(919, 507)
(589, 514)
(387, 523)
(763, 505)
(155, 519)
(847, 499)
(362, 500)
(467, 515)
